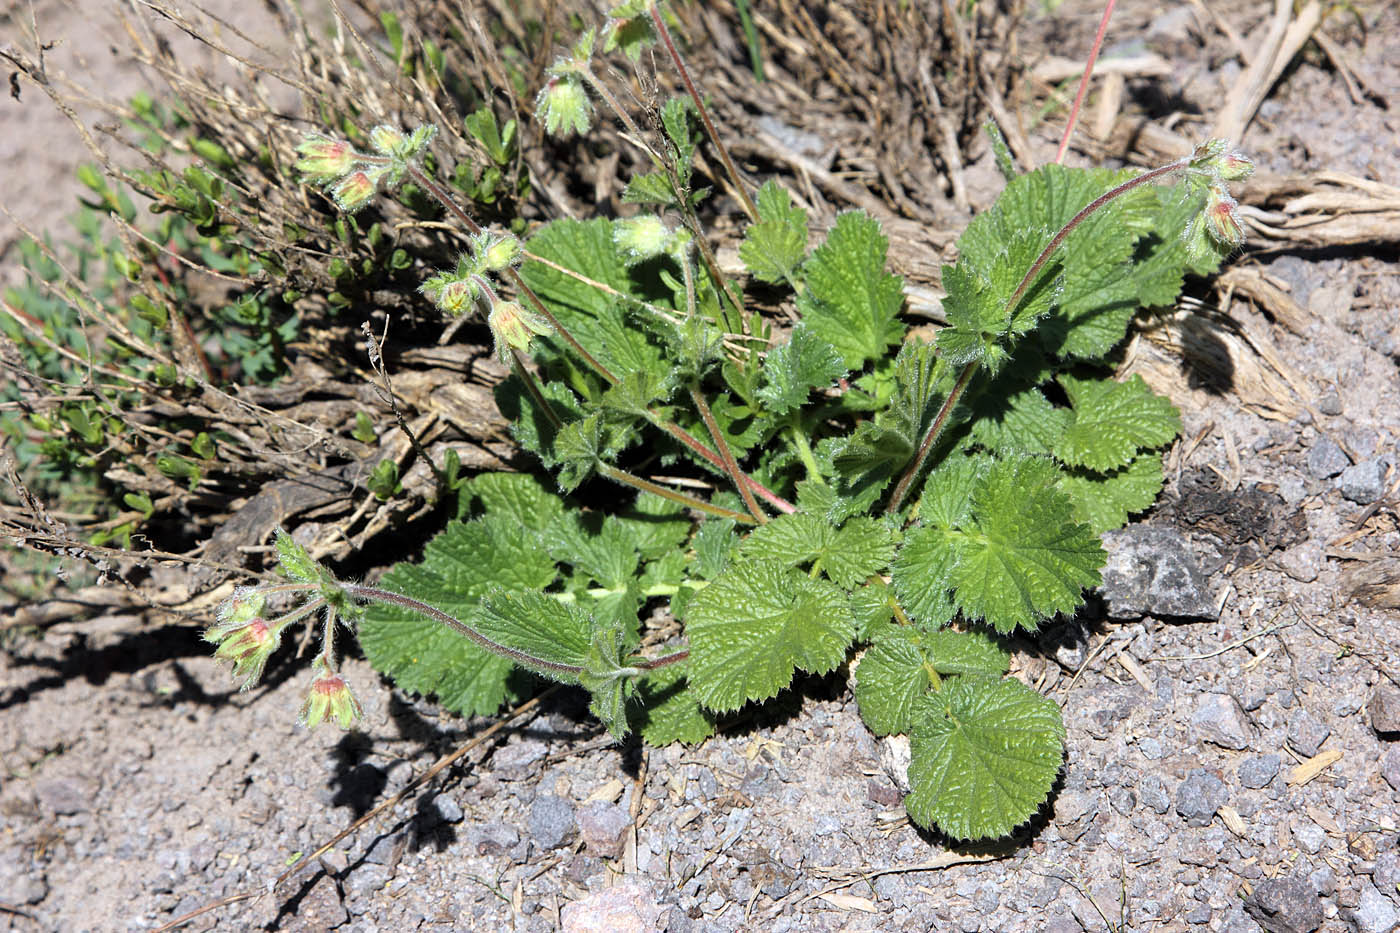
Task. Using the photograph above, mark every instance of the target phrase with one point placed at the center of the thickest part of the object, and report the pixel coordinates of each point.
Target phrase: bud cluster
(458, 292)
(1214, 162)
(353, 177)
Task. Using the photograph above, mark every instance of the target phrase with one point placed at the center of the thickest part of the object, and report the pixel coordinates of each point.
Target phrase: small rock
(1330, 403)
(603, 827)
(1285, 905)
(552, 821)
(65, 795)
(1384, 710)
(894, 759)
(1219, 719)
(1151, 571)
(448, 809)
(1374, 913)
(1258, 771)
(1363, 483)
(1326, 459)
(1252, 697)
(516, 761)
(1062, 925)
(622, 908)
(492, 838)
(1302, 563)
(1386, 874)
(1323, 881)
(1152, 791)
(1390, 767)
(1306, 732)
(1310, 837)
(321, 908)
(1199, 796)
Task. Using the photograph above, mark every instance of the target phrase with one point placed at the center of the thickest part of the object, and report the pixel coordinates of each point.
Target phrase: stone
(1152, 791)
(1285, 905)
(1386, 875)
(622, 908)
(1363, 483)
(1374, 913)
(603, 827)
(1384, 709)
(1219, 720)
(1330, 403)
(516, 761)
(448, 809)
(1151, 571)
(551, 821)
(321, 907)
(1390, 767)
(1302, 563)
(1259, 770)
(1310, 837)
(492, 838)
(1306, 732)
(65, 795)
(1199, 796)
(894, 759)
(1326, 459)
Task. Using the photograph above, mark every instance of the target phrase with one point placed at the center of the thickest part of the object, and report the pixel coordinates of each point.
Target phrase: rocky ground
(1232, 698)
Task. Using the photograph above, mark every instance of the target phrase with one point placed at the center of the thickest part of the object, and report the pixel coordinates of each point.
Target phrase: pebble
(516, 761)
(622, 908)
(1386, 874)
(1326, 459)
(1258, 771)
(448, 810)
(1152, 791)
(603, 827)
(1363, 483)
(1285, 905)
(1310, 836)
(1306, 732)
(1218, 719)
(1390, 767)
(1199, 796)
(1151, 571)
(492, 838)
(1384, 709)
(1374, 913)
(1330, 403)
(551, 821)
(1302, 563)
(65, 795)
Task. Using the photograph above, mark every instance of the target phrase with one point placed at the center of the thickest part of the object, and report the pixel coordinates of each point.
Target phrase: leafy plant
(854, 495)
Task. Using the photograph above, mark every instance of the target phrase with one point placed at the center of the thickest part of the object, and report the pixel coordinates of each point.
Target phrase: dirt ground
(1219, 770)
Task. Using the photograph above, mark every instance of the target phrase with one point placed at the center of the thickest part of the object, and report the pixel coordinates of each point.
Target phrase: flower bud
(244, 605)
(247, 646)
(1222, 218)
(564, 106)
(496, 252)
(355, 190)
(330, 698)
(457, 297)
(514, 326)
(324, 159)
(641, 238)
(1236, 166)
(386, 140)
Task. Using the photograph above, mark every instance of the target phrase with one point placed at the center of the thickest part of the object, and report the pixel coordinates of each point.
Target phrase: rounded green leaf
(985, 753)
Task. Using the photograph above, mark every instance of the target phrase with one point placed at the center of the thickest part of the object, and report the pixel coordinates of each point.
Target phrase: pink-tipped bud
(355, 190)
(324, 159)
(247, 646)
(330, 698)
(386, 139)
(457, 297)
(1223, 219)
(514, 326)
(1236, 166)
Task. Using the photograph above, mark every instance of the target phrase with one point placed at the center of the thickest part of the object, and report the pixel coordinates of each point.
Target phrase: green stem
(532, 386)
(804, 452)
(656, 589)
(665, 492)
(731, 466)
(457, 625)
(965, 376)
(660, 23)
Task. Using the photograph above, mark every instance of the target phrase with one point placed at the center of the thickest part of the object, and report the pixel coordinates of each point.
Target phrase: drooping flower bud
(324, 159)
(246, 645)
(496, 252)
(642, 237)
(1222, 217)
(356, 190)
(386, 140)
(512, 325)
(564, 106)
(330, 697)
(1236, 166)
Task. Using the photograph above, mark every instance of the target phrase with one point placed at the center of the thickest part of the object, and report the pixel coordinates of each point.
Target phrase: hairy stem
(1084, 81)
(907, 480)
(804, 452)
(665, 492)
(731, 466)
(660, 23)
(457, 625)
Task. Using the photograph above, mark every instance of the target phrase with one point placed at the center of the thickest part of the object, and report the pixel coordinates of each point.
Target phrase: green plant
(848, 491)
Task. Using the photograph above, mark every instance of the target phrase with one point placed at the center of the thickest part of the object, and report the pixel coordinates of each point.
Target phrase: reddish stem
(1084, 81)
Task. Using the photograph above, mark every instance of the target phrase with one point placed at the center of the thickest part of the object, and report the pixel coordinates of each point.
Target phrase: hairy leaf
(850, 301)
(669, 711)
(985, 753)
(555, 633)
(793, 369)
(757, 624)
(775, 245)
(1113, 421)
(1104, 501)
